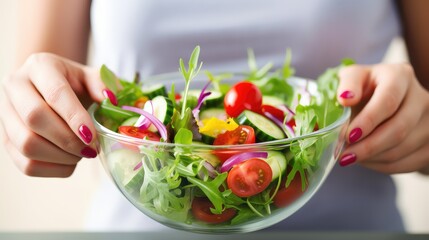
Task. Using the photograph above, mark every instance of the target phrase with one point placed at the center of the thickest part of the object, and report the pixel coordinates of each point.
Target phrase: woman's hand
(389, 131)
(46, 128)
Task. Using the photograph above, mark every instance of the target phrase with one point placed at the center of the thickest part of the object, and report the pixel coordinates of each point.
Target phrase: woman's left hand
(389, 130)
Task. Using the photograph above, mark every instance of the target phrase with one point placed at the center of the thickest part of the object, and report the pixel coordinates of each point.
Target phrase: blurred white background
(36, 204)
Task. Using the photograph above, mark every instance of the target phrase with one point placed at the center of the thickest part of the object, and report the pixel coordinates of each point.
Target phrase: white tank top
(150, 36)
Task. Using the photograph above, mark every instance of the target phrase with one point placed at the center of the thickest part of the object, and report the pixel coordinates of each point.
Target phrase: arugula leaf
(215, 80)
(323, 112)
(255, 73)
(190, 73)
(110, 80)
(113, 112)
(287, 70)
(211, 190)
(243, 216)
(275, 86)
(129, 94)
(275, 83)
(328, 81)
(183, 136)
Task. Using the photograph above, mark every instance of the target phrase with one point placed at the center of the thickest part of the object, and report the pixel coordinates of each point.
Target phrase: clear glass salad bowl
(179, 186)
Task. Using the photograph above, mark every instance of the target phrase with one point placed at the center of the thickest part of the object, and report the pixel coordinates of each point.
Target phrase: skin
(390, 104)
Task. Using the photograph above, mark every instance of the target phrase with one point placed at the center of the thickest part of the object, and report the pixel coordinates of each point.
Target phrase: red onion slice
(241, 157)
(143, 123)
(201, 98)
(155, 121)
(138, 166)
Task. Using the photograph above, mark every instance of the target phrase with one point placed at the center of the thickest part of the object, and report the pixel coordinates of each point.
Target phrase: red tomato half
(201, 211)
(249, 177)
(241, 135)
(286, 196)
(291, 123)
(242, 96)
(136, 132)
(275, 112)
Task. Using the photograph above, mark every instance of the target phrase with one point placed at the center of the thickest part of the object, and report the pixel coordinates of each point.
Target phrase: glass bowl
(146, 172)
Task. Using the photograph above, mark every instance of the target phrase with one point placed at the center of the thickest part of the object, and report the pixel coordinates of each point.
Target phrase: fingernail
(111, 96)
(347, 159)
(347, 94)
(354, 135)
(88, 152)
(85, 133)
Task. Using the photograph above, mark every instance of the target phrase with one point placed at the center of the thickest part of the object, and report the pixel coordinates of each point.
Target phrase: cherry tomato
(249, 177)
(275, 112)
(242, 96)
(286, 196)
(139, 133)
(201, 211)
(241, 135)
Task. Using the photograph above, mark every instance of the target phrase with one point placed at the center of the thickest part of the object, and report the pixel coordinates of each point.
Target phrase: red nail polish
(85, 134)
(347, 159)
(347, 94)
(354, 135)
(88, 152)
(111, 96)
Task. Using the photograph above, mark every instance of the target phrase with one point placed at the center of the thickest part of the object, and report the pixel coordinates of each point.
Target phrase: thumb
(353, 85)
(94, 85)
(84, 79)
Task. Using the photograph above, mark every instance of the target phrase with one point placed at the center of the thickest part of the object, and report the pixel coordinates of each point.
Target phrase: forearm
(415, 21)
(59, 27)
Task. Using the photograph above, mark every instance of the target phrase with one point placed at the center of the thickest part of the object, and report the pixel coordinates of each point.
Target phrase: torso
(150, 36)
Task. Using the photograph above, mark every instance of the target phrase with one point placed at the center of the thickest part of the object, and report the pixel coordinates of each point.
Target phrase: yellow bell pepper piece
(214, 126)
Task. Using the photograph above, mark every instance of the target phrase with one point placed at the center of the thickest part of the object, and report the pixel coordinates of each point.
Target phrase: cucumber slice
(162, 109)
(211, 158)
(273, 101)
(277, 161)
(215, 99)
(265, 129)
(213, 112)
(122, 162)
(133, 185)
(207, 139)
(154, 90)
(130, 121)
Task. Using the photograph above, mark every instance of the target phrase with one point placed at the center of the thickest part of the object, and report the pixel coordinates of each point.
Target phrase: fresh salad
(220, 185)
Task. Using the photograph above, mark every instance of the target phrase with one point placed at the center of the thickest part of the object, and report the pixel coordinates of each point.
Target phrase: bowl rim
(345, 116)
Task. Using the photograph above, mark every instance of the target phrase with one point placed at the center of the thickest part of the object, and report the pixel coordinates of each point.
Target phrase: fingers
(37, 168)
(36, 115)
(390, 86)
(416, 160)
(353, 83)
(48, 76)
(46, 128)
(32, 145)
(389, 133)
(393, 139)
(93, 84)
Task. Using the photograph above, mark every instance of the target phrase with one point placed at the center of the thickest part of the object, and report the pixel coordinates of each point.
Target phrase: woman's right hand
(46, 128)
